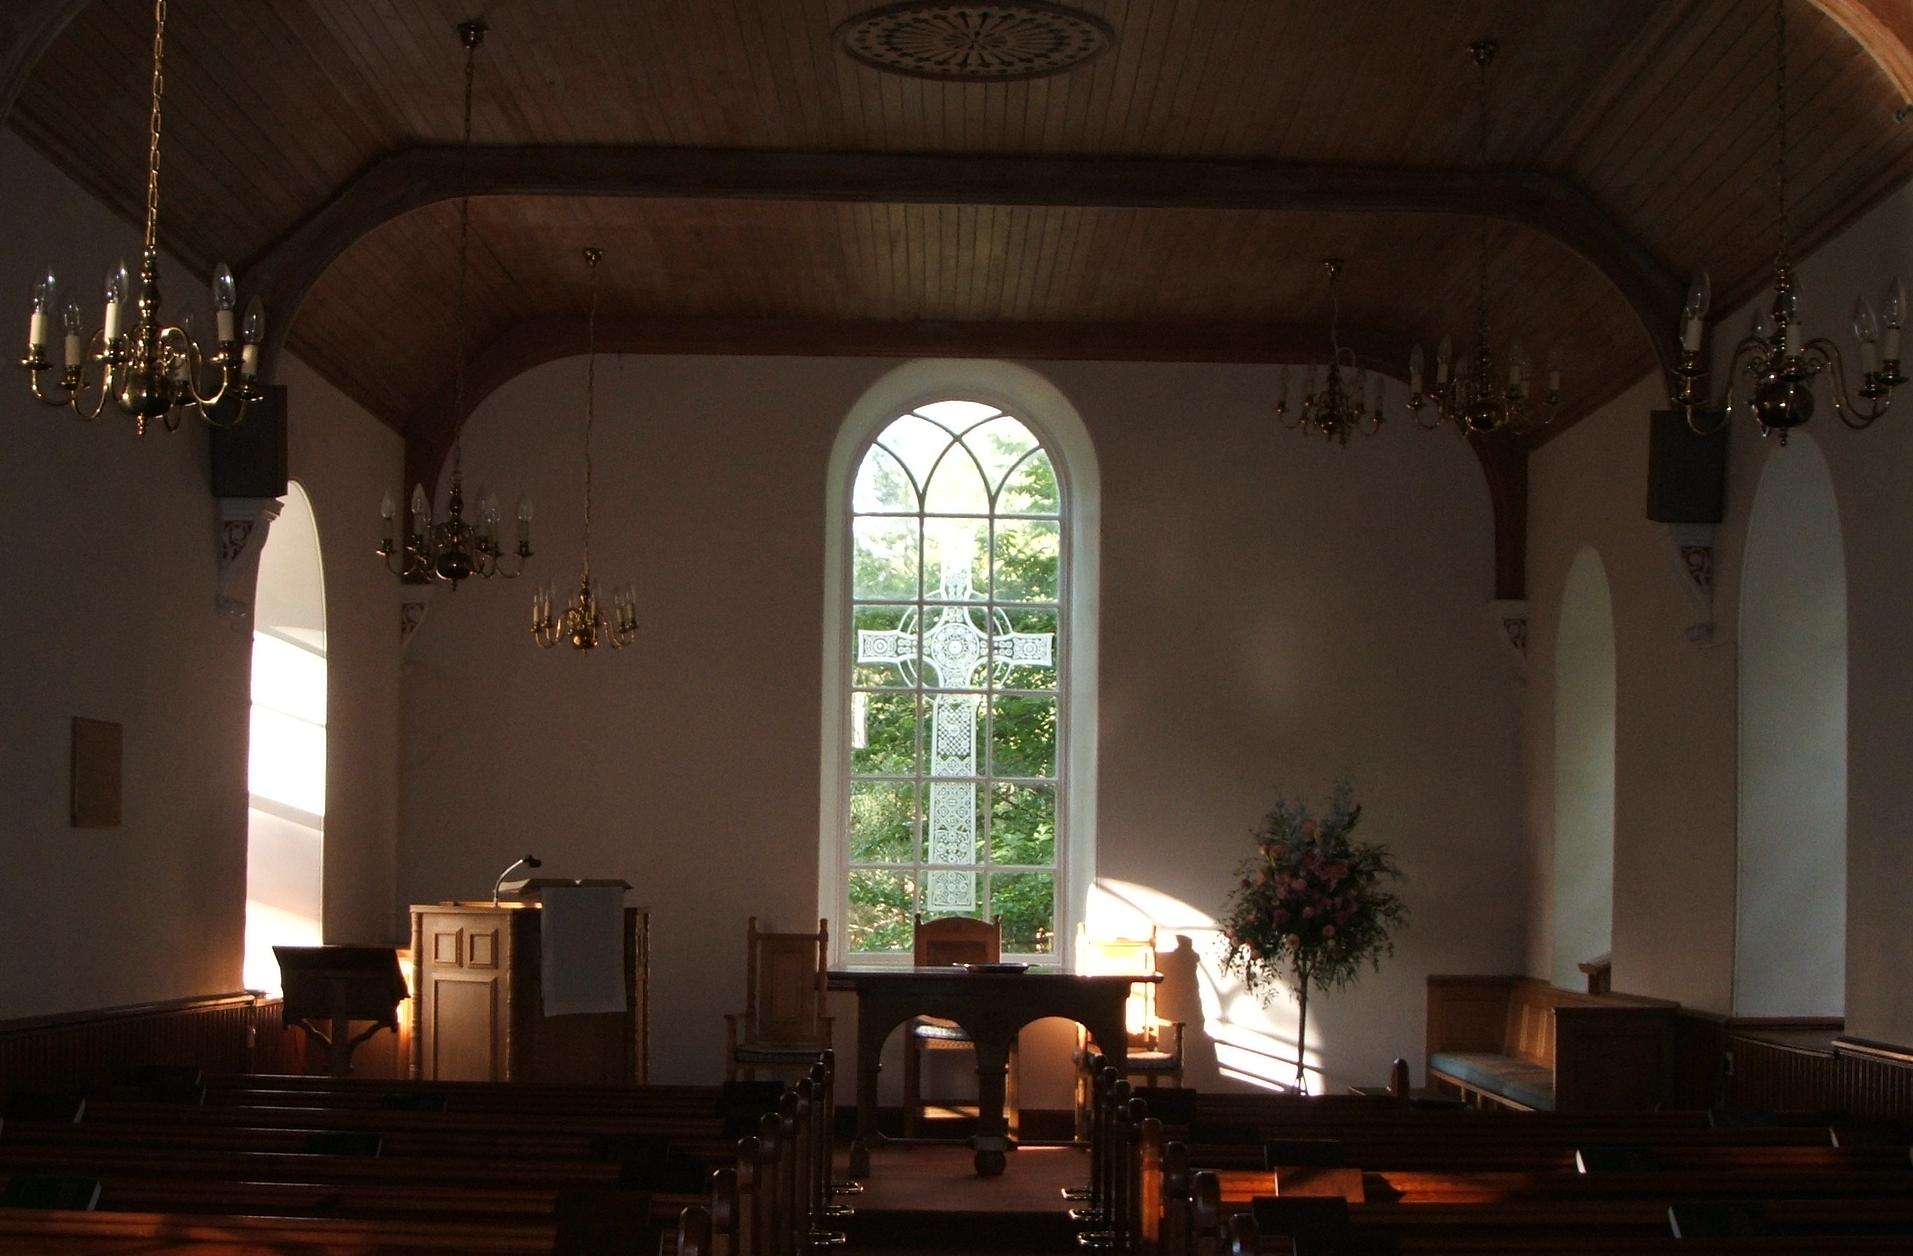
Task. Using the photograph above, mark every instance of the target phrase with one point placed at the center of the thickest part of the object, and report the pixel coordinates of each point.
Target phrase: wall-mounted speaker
(1686, 472)
(249, 459)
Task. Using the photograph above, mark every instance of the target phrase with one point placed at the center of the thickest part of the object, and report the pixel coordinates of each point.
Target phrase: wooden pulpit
(479, 1013)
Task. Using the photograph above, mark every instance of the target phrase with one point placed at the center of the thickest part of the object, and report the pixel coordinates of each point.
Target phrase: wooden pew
(507, 1157)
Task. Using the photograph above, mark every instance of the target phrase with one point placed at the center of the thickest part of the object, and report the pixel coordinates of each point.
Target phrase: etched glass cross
(954, 655)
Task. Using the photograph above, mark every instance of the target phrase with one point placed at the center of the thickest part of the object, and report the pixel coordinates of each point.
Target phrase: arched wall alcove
(1790, 924)
(285, 838)
(1583, 771)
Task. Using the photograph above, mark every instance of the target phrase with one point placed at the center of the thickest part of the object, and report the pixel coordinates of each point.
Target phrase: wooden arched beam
(25, 35)
(430, 430)
(410, 180)
(1885, 29)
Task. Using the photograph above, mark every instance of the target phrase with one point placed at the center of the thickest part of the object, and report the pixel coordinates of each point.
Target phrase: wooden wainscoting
(79, 1050)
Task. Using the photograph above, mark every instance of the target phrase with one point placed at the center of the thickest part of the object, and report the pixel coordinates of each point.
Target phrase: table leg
(869, 1065)
(992, 1138)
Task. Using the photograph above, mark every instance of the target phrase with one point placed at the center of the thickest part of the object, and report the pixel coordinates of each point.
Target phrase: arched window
(1791, 923)
(954, 744)
(285, 832)
(1583, 771)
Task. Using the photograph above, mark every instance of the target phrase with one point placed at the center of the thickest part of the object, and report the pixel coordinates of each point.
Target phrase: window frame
(1039, 405)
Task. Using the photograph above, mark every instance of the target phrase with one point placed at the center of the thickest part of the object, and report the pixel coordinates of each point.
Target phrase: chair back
(957, 940)
(787, 979)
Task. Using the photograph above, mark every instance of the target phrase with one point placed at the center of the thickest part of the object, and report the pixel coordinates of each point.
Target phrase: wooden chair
(784, 1023)
(938, 943)
(1155, 1051)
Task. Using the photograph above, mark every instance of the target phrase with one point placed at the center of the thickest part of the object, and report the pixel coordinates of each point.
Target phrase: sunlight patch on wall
(1252, 1043)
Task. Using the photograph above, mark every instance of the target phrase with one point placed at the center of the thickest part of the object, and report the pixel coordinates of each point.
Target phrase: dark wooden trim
(1870, 1049)
(1504, 462)
(430, 429)
(27, 39)
(405, 181)
(78, 1051)
(129, 1011)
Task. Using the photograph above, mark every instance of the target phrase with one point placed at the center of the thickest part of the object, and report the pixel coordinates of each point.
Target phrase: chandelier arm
(1843, 405)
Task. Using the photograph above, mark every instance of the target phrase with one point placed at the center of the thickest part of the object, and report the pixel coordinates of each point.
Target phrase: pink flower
(1328, 931)
(1307, 912)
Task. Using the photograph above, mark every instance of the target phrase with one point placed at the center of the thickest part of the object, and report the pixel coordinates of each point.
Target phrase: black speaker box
(249, 459)
(1686, 473)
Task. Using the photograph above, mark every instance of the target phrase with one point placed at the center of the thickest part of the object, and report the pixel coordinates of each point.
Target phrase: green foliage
(1310, 906)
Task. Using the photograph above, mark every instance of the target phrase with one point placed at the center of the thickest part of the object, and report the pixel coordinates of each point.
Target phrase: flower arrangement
(1310, 908)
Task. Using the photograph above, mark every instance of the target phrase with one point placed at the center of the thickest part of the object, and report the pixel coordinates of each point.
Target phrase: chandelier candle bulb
(225, 297)
(115, 286)
(45, 298)
(1444, 357)
(1866, 331)
(1694, 315)
(1554, 376)
(1415, 363)
(75, 339)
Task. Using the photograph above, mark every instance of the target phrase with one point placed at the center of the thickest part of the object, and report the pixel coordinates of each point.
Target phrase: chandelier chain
(152, 151)
(1780, 107)
(591, 392)
(1484, 52)
(473, 34)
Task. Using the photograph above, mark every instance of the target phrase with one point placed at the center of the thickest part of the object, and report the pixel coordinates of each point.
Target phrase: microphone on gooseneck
(529, 861)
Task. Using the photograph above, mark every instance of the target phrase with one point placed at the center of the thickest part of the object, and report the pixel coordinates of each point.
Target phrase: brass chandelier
(1339, 406)
(584, 623)
(1776, 355)
(453, 550)
(150, 370)
(1473, 392)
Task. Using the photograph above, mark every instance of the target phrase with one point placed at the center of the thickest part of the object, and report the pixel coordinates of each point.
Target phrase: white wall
(1791, 926)
(346, 460)
(1583, 913)
(1677, 715)
(110, 580)
(1274, 611)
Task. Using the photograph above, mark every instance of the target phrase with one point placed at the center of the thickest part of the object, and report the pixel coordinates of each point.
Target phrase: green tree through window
(956, 621)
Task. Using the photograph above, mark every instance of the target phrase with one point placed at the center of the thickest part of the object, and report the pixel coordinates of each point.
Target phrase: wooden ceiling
(1653, 119)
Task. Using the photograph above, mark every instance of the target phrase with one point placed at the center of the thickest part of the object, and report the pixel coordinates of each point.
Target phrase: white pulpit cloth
(581, 958)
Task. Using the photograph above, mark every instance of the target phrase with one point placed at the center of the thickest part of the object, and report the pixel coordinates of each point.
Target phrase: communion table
(991, 1007)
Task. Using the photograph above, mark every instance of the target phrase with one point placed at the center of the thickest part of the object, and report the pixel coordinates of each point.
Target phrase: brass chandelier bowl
(583, 623)
(1475, 393)
(1776, 355)
(1338, 406)
(453, 549)
(151, 370)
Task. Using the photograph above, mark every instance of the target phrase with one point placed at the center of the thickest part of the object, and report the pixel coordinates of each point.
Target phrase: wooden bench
(1517, 1042)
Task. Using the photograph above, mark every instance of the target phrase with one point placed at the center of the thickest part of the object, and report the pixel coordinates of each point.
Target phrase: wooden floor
(929, 1198)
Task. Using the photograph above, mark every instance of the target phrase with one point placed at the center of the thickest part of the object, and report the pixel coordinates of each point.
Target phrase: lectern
(341, 984)
(480, 1009)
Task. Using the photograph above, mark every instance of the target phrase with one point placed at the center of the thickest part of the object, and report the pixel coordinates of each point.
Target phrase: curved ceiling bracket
(1885, 29)
(430, 429)
(24, 39)
(412, 179)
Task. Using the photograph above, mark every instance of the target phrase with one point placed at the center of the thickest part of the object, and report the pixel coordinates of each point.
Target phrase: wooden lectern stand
(340, 984)
(478, 1011)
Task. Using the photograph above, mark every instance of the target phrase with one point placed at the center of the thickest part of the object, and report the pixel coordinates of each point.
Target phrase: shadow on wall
(1238, 1040)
